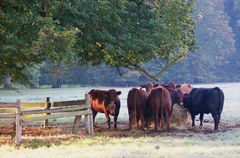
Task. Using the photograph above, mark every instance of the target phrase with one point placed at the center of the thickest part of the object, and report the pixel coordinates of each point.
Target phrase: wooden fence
(14, 114)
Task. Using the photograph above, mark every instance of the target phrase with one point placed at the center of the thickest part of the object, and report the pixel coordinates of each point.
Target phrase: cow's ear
(178, 86)
(165, 85)
(105, 94)
(119, 92)
(142, 86)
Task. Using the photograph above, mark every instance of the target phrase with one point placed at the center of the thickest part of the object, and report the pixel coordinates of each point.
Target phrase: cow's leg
(168, 120)
(94, 115)
(161, 119)
(142, 120)
(115, 121)
(156, 119)
(193, 119)
(130, 120)
(216, 118)
(146, 123)
(201, 119)
(108, 119)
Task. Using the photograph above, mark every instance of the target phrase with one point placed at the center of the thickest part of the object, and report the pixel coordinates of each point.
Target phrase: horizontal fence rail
(7, 105)
(20, 113)
(54, 110)
(7, 114)
(66, 114)
(67, 103)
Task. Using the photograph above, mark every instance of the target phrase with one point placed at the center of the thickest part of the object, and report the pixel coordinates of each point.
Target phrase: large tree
(131, 33)
(26, 32)
(120, 33)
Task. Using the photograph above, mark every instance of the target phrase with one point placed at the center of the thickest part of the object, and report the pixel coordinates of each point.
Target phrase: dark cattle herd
(153, 103)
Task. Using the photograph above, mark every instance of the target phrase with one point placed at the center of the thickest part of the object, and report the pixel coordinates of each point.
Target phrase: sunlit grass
(190, 145)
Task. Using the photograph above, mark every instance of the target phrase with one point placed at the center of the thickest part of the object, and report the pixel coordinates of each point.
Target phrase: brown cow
(106, 102)
(171, 87)
(136, 102)
(159, 105)
(175, 93)
(149, 86)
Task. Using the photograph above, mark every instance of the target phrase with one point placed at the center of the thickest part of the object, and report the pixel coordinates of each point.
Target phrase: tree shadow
(37, 137)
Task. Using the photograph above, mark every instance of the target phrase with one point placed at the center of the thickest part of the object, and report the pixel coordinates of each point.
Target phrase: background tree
(216, 45)
(232, 8)
(129, 33)
(19, 26)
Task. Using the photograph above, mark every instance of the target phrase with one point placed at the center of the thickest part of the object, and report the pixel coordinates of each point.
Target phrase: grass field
(179, 142)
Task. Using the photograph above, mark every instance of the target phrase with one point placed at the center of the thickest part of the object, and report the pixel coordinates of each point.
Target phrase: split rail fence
(14, 114)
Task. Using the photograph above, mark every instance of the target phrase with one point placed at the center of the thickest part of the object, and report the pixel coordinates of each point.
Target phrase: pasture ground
(121, 143)
(184, 141)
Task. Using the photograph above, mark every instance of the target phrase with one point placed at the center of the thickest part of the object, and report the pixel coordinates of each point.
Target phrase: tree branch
(168, 65)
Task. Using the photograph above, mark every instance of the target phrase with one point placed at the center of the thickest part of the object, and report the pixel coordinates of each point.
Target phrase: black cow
(204, 101)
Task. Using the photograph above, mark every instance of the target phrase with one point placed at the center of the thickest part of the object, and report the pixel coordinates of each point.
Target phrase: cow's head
(180, 94)
(177, 97)
(111, 100)
(186, 88)
(171, 87)
(149, 86)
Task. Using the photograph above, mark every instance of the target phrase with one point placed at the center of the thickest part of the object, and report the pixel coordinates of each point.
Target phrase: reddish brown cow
(106, 102)
(175, 93)
(136, 102)
(170, 87)
(149, 86)
(160, 105)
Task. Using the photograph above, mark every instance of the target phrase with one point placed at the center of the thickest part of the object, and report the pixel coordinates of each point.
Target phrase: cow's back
(97, 95)
(136, 102)
(198, 100)
(157, 97)
(206, 100)
(215, 99)
(159, 104)
(136, 99)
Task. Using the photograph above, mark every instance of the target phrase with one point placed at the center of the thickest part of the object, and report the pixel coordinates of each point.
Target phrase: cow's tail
(221, 100)
(135, 107)
(162, 110)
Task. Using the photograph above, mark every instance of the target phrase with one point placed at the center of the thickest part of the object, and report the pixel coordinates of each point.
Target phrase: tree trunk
(8, 82)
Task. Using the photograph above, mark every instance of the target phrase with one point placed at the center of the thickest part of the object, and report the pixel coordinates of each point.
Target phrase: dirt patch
(181, 131)
(60, 134)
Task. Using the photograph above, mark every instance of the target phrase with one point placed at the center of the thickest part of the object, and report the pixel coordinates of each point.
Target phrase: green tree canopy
(120, 33)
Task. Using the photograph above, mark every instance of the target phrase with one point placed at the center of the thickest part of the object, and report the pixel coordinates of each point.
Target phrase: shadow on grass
(37, 137)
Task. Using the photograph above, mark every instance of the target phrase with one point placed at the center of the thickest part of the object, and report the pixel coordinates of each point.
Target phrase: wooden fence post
(18, 123)
(88, 118)
(47, 106)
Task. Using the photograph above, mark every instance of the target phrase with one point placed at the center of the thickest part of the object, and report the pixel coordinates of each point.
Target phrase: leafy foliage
(88, 32)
